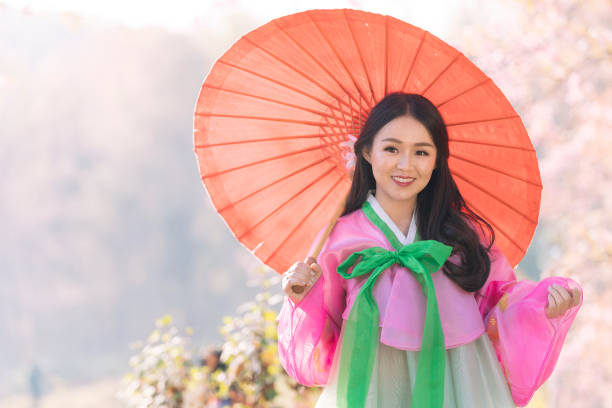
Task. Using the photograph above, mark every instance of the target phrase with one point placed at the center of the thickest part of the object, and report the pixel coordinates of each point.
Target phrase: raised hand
(560, 300)
(301, 275)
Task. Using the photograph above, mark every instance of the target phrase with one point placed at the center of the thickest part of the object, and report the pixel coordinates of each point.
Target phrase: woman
(465, 321)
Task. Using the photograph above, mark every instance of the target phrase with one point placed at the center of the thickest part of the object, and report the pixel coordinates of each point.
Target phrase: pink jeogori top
(511, 312)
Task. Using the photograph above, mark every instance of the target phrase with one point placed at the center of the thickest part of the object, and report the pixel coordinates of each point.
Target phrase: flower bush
(159, 370)
(243, 372)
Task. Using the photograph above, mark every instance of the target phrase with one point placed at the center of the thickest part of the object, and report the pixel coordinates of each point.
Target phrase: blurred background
(106, 226)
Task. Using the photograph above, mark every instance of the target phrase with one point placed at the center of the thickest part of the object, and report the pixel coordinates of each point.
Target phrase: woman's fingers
(314, 269)
(307, 276)
(575, 297)
(560, 300)
(303, 274)
(294, 276)
(566, 297)
(300, 277)
(551, 308)
(317, 269)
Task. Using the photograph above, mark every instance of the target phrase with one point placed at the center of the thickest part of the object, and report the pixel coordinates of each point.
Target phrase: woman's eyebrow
(391, 139)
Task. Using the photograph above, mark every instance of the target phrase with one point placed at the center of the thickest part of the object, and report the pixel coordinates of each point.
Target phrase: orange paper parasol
(278, 112)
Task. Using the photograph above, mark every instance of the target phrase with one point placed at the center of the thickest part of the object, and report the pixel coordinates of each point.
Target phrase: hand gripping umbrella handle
(317, 249)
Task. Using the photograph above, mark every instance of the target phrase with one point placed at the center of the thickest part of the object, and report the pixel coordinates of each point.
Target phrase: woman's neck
(400, 212)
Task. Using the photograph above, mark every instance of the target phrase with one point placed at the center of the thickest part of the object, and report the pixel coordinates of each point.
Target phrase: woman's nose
(403, 162)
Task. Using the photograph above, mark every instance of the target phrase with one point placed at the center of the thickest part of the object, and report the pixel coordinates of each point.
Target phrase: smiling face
(403, 156)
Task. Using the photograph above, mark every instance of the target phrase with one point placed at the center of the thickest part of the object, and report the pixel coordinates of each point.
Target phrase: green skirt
(473, 377)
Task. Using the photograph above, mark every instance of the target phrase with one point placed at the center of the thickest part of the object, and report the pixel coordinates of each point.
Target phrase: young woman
(410, 303)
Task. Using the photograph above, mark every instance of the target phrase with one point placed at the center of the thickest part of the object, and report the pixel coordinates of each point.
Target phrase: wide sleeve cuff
(526, 341)
(307, 338)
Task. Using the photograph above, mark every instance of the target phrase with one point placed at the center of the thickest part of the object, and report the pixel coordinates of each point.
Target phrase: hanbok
(499, 345)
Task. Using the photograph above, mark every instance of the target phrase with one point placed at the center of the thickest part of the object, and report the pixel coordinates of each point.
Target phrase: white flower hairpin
(348, 152)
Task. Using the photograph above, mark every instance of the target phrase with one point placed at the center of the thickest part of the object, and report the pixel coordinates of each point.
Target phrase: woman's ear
(366, 155)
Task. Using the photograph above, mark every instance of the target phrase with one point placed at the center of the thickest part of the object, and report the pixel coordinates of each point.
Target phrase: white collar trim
(403, 239)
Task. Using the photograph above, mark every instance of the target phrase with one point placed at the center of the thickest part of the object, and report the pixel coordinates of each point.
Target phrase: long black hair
(441, 211)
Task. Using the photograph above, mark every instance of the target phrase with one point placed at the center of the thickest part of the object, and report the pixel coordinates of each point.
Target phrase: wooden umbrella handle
(315, 253)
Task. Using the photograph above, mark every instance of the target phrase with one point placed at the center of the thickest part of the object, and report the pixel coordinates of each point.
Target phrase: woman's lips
(408, 181)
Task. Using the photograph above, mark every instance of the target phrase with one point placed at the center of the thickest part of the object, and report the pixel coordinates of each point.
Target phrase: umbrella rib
(322, 102)
(233, 203)
(292, 68)
(226, 115)
(303, 220)
(322, 66)
(329, 135)
(345, 123)
(526, 149)
(468, 122)
(484, 81)
(536, 184)
(516, 210)
(271, 213)
(440, 74)
(344, 139)
(270, 100)
(416, 56)
(267, 139)
(504, 233)
(339, 59)
(337, 122)
(280, 156)
(365, 69)
(386, 53)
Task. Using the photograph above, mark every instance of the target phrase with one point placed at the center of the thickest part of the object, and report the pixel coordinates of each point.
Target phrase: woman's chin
(404, 196)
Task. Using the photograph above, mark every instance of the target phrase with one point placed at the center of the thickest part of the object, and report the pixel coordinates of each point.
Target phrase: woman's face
(403, 156)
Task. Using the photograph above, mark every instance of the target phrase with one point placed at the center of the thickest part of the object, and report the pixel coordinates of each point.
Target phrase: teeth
(403, 179)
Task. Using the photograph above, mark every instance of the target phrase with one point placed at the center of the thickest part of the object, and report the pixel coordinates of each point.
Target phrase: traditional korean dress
(498, 345)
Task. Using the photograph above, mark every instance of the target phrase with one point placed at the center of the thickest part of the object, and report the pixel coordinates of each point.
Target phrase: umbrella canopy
(278, 112)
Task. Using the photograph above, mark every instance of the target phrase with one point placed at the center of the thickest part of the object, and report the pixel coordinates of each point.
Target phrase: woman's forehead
(404, 129)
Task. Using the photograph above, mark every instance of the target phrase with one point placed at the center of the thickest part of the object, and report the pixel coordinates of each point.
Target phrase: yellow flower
(269, 316)
(273, 369)
(268, 355)
(248, 389)
(155, 335)
(270, 332)
(189, 331)
(164, 321)
(223, 390)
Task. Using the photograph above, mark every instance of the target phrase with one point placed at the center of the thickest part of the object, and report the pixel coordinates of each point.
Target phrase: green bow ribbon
(361, 331)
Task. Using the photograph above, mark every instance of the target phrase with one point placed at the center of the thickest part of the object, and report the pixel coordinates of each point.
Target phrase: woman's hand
(560, 300)
(302, 275)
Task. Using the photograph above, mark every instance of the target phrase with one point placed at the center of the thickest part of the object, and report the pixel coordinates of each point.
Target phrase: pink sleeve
(308, 331)
(527, 342)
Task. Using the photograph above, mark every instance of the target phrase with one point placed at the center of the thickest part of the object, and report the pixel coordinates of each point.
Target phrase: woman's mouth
(403, 181)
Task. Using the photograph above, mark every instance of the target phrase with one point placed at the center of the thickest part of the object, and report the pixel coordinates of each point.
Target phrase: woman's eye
(390, 149)
(422, 153)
